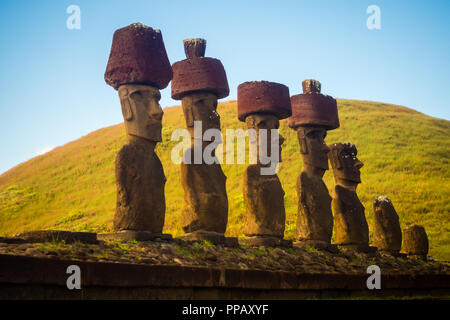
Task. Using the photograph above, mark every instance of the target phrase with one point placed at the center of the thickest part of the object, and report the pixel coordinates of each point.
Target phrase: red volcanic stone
(314, 109)
(263, 97)
(199, 74)
(138, 56)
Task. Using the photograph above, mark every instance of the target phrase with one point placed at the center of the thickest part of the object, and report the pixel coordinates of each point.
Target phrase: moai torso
(314, 216)
(349, 218)
(264, 202)
(140, 184)
(205, 197)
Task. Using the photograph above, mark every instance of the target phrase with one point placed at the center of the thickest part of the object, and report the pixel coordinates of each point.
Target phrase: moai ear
(126, 106)
(302, 142)
(337, 159)
(303, 146)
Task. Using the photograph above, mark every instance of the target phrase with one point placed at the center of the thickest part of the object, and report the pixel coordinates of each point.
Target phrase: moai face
(201, 107)
(265, 121)
(312, 146)
(141, 111)
(346, 166)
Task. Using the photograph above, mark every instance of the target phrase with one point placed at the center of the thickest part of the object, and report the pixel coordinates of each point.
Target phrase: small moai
(138, 68)
(387, 234)
(313, 114)
(261, 105)
(415, 242)
(199, 82)
(350, 224)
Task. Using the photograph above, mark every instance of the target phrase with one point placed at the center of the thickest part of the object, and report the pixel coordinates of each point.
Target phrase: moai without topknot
(138, 68)
(387, 234)
(350, 224)
(415, 242)
(199, 82)
(261, 105)
(313, 114)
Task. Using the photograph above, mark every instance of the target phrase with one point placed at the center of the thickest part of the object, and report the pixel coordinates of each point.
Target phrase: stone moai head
(267, 122)
(199, 82)
(141, 111)
(261, 105)
(346, 166)
(313, 147)
(138, 67)
(313, 114)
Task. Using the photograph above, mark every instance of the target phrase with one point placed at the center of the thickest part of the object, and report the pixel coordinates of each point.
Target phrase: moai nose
(156, 113)
(358, 164)
(282, 139)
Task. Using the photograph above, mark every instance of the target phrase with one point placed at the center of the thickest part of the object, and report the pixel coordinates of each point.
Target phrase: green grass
(405, 154)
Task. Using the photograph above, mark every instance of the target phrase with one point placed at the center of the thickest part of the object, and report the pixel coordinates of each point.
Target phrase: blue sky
(52, 77)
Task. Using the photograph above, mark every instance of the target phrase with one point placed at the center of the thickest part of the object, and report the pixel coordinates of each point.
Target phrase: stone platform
(213, 237)
(43, 278)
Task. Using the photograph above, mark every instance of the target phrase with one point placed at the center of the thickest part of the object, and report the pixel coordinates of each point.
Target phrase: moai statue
(415, 242)
(262, 104)
(350, 225)
(313, 114)
(199, 82)
(138, 68)
(387, 234)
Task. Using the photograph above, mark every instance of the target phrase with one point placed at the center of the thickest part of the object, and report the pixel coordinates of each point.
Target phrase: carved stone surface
(140, 178)
(205, 198)
(311, 118)
(415, 241)
(138, 56)
(387, 234)
(314, 216)
(263, 194)
(350, 223)
(263, 97)
(264, 202)
(140, 184)
(137, 67)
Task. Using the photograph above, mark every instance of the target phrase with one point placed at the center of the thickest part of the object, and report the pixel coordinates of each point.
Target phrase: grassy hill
(406, 156)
